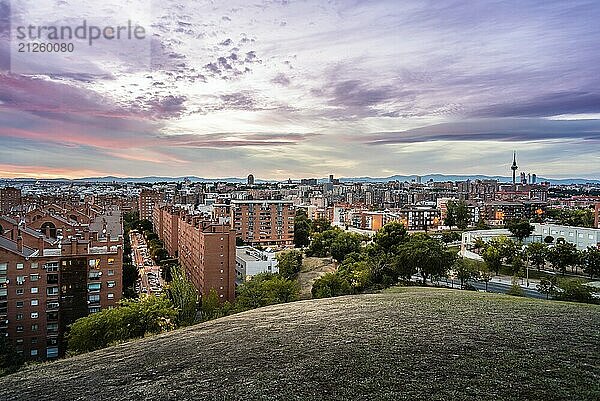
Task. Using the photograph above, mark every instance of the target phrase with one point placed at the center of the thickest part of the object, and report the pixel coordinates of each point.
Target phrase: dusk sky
(290, 89)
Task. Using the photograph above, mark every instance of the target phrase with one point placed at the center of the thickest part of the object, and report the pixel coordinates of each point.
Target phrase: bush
(331, 285)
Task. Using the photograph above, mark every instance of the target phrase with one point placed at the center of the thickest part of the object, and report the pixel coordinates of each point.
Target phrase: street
(149, 281)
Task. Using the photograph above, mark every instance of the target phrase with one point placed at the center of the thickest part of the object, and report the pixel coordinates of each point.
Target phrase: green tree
(548, 286)
(144, 225)
(211, 305)
(479, 244)
(457, 214)
(289, 263)
(184, 296)
(131, 319)
(517, 266)
(344, 244)
(485, 275)
(159, 254)
(320, 225)
(320, 245)
(427, 255)
(548, 239)
(10, 359)
(466, 270)
(536, 253)
(389, 237)
(266, 289)
(330, 285)
(521, 229)
(591, 261)
(493, 259)
(301, 229)
(562, 256)
(574, 291)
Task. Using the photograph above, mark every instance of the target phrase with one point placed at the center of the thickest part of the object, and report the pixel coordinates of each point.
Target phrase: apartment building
(146, 202)
(47, 283)
(9, 197)
(263, 222)
(205, 248)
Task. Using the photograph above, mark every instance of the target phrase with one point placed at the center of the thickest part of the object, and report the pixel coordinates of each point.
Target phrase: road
(498, 284)
(149, 281)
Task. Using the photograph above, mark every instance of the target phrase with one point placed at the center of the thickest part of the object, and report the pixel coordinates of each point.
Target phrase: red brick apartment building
(9, 198)
(48, 282)
(206, 249)
(146, 202)
(263, 222)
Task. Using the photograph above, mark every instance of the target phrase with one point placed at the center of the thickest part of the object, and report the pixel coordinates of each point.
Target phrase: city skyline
(294, 90)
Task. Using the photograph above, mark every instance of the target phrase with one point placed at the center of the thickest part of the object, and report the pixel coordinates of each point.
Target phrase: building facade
(263, 222)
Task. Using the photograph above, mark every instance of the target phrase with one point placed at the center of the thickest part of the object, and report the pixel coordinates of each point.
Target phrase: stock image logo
(64, 41)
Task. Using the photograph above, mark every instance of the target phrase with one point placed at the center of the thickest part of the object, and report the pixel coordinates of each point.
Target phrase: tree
(548, 239)
(159, 254)
(330, 285)
(548, 286)
(144, 225)
(130, 276)
(131, 319)
(465, 270)
(575, 291)
(344, 244)
(517, 265)
(493, 259)
(320, 245)
(184, 296)
(479, 244)
(457, 214)
(427, 255)
(562, 256)
(536, 253)
(591, 261)
(10, 359)
(266, 289)
(301, 229)
(521, 229)
(515, 290)
(289, 263)
(319, 225)
(389, 237)
(485, 275)
(210, 305)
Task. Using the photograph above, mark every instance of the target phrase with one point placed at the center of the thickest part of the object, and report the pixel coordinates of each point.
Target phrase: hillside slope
(407, 344)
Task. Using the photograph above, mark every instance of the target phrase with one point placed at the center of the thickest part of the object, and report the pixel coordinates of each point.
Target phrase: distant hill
(408, 344)
(401, 178)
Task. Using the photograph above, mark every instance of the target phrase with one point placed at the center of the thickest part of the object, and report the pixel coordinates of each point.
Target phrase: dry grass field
(403, 344)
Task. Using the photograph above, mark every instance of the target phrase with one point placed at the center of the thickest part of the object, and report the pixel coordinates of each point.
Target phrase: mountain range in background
(401, 178)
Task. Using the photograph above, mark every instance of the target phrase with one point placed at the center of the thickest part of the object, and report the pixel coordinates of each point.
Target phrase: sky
(291, 89)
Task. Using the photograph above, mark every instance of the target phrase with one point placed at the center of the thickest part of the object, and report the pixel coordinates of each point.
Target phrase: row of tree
(502, 251)
(392, 256)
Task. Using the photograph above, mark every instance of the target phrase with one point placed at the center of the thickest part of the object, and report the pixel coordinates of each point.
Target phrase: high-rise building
(250, 179)
(263, 222)
(47, 283)
(9, 198)
(147, 199)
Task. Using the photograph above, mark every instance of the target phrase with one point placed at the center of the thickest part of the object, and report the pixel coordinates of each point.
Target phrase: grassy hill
(404, 344)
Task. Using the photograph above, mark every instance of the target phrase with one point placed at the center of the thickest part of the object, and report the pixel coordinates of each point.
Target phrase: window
(19, 304)
(94, 298)
(19, 316)
(20, 280)
(34, 315)
(35, 302)
(19, 329)
(34, 327)
(34, 352)
(110, 284)
(94, 286)
(19, 291)
(111, 296)
(34, 277)
(34, 340)
(111, 272)
(34, 290)
(52, 327)
(51, 352)
(94, 309)
(92, 262)
(94, 274)
(3, 268)
(52, 291)
(19, 266)
(34, 265)
(111, 261)
(19, 341)
(52, 305)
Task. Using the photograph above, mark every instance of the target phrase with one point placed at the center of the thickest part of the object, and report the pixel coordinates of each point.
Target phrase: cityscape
(316, 200)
